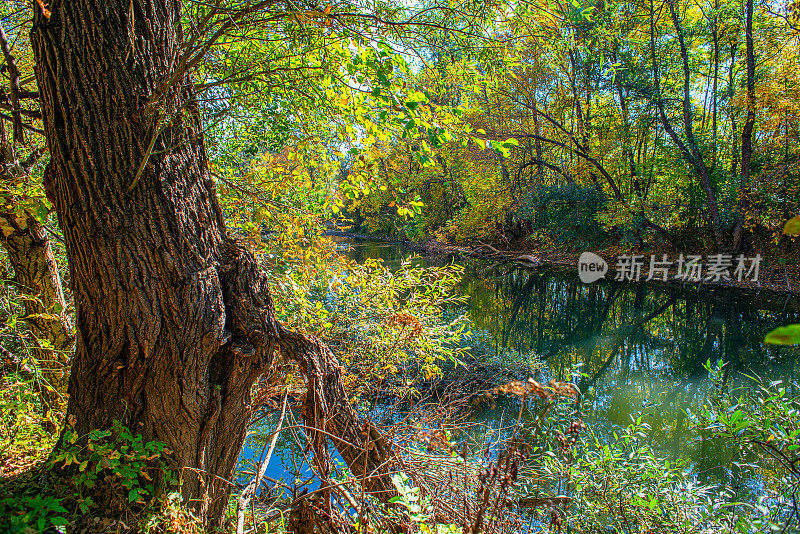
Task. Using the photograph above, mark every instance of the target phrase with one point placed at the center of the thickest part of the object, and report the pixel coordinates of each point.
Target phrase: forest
(308, 267)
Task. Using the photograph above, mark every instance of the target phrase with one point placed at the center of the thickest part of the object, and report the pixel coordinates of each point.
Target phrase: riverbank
(775, 275)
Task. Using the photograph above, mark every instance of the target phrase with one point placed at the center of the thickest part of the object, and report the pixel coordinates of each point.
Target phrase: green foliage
(131, 469)
(24, 199)
(381, 322)
(787, 335)
(792, 227)
(784, 335)
(409, 498)
(573, 105)
(620, 485)
(762, 421)
(169, 515)
(100, 475)
(568, 213)
(38, 513)
(24, 429)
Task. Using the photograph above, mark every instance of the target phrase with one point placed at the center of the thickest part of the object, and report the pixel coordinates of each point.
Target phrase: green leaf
(40, 212)
(792, 227)
(785, 335)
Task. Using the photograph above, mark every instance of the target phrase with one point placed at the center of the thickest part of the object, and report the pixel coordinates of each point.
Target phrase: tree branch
(250, 490)
(13, 72)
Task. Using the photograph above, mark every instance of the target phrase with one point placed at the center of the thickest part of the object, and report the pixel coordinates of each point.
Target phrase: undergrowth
(105, 481)
(26, 434)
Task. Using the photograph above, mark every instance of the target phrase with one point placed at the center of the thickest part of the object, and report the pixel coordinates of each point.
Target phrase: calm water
(640, 347)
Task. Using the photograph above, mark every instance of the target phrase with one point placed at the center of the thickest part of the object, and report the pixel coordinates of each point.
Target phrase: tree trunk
(688, 125)
(626, 131)
(732, 111)
(715, 85)
(37, 278)
(363, 448)
(689, 149)
(36, 274)
(174, 319)
(747, 129)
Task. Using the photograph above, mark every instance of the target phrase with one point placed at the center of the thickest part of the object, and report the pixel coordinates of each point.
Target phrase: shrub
(564, 213)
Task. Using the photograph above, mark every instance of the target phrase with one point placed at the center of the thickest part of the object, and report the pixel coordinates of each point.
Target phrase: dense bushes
(568, 213)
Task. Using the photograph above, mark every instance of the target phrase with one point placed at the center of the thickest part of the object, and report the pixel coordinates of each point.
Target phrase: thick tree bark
(174, 319)
(164, 338)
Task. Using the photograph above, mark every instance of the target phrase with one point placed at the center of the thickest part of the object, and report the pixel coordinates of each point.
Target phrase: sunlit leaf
(792, 227)
(785, 335)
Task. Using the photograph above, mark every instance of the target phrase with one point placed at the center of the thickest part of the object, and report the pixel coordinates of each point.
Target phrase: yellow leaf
(792, 227)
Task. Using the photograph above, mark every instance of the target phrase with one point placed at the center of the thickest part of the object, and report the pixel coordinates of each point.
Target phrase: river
(632, 349)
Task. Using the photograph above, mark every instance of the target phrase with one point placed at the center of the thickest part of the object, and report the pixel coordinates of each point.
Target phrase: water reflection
(640, 348)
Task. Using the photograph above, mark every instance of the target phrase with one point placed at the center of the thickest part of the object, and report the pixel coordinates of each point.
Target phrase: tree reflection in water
(641, 347)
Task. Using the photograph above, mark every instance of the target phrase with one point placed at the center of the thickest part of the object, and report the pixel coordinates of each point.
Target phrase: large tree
(174, 318)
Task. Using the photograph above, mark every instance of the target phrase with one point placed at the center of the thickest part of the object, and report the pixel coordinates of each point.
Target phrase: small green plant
(126, 464)
(32, 513)
(386, 324)
(623, 486)
(417, 509)
(408, 498)
(24, 438)
(169, 515)
(762, 421)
